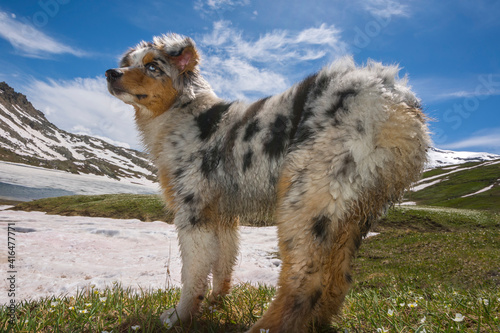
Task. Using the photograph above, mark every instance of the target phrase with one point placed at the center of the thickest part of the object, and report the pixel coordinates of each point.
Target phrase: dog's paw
(215, 298)
(170, 318)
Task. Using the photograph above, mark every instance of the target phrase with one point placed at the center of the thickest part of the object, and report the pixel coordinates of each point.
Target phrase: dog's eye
(151, 67)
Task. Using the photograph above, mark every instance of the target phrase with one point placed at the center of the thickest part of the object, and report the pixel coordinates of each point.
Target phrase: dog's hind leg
(316, 250)
(226, 252)
(336, 272)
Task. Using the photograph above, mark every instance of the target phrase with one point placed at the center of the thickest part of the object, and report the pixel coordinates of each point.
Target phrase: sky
(56, 52)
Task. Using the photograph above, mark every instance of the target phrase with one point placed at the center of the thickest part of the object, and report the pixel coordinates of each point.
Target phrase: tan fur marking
(148, 58)
(166, 185)
(226, 286)
(160, 93)
(401, 134)
(209, 214)
(323, 279)
(283, 186)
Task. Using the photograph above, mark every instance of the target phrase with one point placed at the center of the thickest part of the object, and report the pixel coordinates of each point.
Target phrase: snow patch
(482, 190)
(408, 203)
(58, 255)
(420, 186)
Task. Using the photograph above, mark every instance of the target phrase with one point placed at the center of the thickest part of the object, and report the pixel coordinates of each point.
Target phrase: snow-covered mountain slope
(439, 157)
(27, 137)
(21, 182)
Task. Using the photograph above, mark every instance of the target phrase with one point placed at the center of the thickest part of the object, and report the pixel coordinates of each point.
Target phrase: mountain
(440, 158)
(27, 137)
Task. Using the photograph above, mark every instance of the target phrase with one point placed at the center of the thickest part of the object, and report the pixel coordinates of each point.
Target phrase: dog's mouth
(115, 87)
(114, 90)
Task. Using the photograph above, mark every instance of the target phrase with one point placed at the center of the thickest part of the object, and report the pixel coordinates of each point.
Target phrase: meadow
(430, 269)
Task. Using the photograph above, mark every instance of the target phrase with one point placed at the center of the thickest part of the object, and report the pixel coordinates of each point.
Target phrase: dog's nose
(113, 74)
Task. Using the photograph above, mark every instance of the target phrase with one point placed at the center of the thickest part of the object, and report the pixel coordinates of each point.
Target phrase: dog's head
(150, 75)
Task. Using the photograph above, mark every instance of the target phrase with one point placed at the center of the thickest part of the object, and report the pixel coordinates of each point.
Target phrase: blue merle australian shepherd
(325, 157)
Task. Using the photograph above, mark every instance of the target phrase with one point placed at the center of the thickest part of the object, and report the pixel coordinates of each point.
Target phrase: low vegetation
(429, 270)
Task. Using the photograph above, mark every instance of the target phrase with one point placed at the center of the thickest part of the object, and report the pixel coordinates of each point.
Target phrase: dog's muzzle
(114, 83)
(113, 74)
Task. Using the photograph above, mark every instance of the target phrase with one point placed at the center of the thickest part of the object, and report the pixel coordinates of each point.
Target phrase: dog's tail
(369, 143)
(389, 145)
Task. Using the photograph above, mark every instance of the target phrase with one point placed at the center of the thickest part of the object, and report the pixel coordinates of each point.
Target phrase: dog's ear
(186, 59)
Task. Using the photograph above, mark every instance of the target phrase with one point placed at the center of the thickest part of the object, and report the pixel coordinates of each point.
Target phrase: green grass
(488, 200)
(394, 308)
(121, 206)
(402, 309)
(425, 245)
(121, 310)
(427, 262)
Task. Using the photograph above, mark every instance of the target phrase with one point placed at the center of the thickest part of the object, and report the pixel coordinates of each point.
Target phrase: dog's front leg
(225, 257)
(196, 244)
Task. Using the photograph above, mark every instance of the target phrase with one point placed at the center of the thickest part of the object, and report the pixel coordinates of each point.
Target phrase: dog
(326, 157)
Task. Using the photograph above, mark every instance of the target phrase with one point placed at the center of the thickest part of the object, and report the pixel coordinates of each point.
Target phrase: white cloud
(278, 45)
(386, 8)
(237, 66)
(324, 35)
(221, 33)
(480, 87)
(235, 78)
(468, 94)
(216, 5)
(30, 41)
(486, 139)
(84, 106)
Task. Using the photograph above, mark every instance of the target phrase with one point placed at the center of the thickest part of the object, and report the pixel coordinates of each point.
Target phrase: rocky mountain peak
(10, 96)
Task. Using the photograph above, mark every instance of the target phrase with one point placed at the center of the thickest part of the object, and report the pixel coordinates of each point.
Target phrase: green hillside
(470, 185)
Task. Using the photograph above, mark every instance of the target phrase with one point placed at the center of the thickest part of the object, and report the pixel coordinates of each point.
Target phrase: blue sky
(56, 53)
